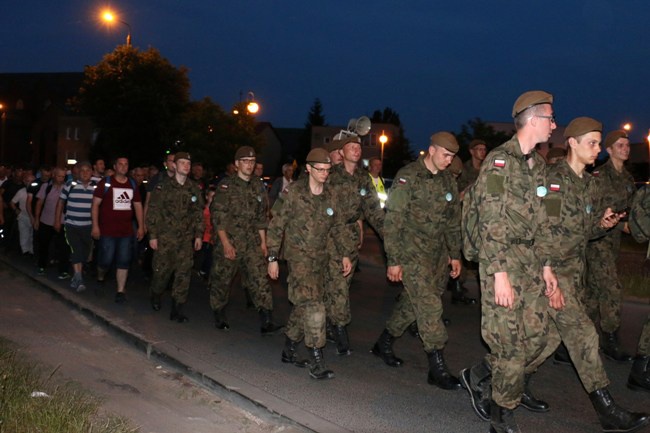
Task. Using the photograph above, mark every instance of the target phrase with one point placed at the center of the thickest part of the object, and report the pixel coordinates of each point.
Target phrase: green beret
(530, 99)
(245, 152)
(182, 155)
(613, 136)
(319, 155)
(476, 142)
(582, 125)
(446, 140)
(456, 166)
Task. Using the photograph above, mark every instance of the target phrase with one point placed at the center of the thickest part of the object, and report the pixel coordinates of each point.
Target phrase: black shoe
(317, 369)
(639, 379)
(289, 355)
(155, 302)
(458, 293)
(268, 327)
(383, 348)
(479, 390)
(342, 341)
(612, 349)
(529, 401)
(614, 418)
(330, 337)
(220, 320)
(120, 298)
(439, 375)
(502, 420)
(413, 330)
(177, 312)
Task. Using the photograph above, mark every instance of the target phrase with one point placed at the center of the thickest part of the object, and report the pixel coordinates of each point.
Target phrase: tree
(212, 135)
(136, 99)
(476, 128)
(397, 152)
(315, 117)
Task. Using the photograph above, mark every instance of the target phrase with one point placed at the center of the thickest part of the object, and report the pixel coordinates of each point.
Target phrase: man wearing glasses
(239, 218)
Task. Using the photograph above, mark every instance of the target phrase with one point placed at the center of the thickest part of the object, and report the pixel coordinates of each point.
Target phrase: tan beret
(615, 135)
(555, 152)
(476, 142)
(319, 155)
(245, 152)
(456, 166)
(182, 155)
(445, 139)
(582, 125)
(530, 99)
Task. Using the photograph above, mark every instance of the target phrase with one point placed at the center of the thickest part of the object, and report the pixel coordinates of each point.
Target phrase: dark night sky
(437, 64)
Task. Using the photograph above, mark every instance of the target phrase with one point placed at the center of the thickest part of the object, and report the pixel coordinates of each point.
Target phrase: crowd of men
(545, 233)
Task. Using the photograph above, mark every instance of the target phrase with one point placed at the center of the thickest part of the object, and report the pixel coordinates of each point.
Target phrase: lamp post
(383, 139)
(252, 106)
(109, 18)
(627, 126)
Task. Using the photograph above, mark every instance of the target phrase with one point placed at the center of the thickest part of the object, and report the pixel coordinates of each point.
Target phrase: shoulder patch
(223, 186)
(500, 163)
(555, 187)
(595, 173)
(495, 184)
(402, 181)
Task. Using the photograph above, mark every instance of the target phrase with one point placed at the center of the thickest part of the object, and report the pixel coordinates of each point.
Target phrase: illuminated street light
(252, 106)
(627, 126)
(109, 18)
(383, 139)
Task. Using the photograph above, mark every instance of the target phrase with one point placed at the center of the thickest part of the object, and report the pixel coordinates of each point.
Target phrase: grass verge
(61, 407)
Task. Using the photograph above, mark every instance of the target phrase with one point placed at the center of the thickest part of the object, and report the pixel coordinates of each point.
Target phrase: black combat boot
(529, 401)
(413, 330)
(289, 355)
(317, 369)
(330, 337)
(614, 418)
(639, 379)
(458, 293)
(268, 327)
(155, 302)
(477, 380)
(612, 349)
(220, 320)
(342, 341)
(502, 420)
(383, 348)
(561, 356)
(439, 375)
(177, 312)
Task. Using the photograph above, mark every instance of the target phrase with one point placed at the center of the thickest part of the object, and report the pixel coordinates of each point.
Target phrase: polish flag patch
(223, 186)
(500, 163)
(555, 187)
(401, 181)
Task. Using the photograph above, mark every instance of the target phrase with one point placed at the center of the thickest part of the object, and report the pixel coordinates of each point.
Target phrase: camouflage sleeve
(220, 208)
(396, 207)
(492, 197)
(197, 214)
(639, 221)
(343, 242)
(262, 208)
(153, 212)
(278, 223)
(452, 233)
(371, 207)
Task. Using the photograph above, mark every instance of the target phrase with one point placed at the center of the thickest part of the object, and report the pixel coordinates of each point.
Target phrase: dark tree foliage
(397, 152)
(315, 117)
(476, 128)
(136, 99)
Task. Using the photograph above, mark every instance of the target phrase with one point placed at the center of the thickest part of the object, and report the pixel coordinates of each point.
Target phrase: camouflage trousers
(573, 326)
(603, 294)
(307, 317)
(421, 302)
(517, 336)
(337, 290)
(252, 266)
(644, 340)
(173, 259)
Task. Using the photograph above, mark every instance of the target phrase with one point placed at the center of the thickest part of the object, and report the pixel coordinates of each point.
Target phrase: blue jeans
(111, 248)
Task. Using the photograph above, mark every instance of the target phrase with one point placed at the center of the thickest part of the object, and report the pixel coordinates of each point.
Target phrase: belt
(519, 241)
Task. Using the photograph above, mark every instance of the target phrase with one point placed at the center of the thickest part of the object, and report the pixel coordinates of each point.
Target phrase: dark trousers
(47, 235)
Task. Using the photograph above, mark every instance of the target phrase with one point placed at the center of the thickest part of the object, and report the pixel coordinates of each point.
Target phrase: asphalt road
(366, 395)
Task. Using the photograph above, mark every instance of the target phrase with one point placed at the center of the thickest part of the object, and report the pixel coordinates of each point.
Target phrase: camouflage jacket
(616, 191)
(570, 206)
(468, 176)
(305, 221)
(512, 217)
(640, 215)
(175, 210)
(422, 215)
(238, 208)
(358, 199)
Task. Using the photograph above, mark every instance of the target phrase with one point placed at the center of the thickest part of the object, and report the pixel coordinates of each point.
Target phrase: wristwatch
(271, 259)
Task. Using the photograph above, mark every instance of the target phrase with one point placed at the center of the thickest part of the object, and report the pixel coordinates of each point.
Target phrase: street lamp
(252, 106)
(109, 17)
(383, 140)
(627, 126)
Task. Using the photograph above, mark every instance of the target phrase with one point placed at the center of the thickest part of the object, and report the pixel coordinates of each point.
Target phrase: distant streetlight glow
(252, 107)
(110, 18)
(383, 139)
(627, 126)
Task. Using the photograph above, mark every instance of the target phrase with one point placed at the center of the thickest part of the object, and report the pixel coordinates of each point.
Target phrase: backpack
(469, 226)
(107, 184)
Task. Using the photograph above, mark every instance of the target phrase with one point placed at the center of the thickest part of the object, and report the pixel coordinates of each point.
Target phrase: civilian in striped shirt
(74, 208)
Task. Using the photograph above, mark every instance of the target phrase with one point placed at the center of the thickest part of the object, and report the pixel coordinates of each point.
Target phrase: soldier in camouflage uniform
(574, 220)
(471, 168)
(514, 262)
(175, 224)
(639, 378)
(359, 202)
(616, 186)
(422, 223)
(306, 216)
(239, 218)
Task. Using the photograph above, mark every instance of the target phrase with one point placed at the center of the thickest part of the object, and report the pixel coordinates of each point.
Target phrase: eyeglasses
(320, 170)
(551, 117)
